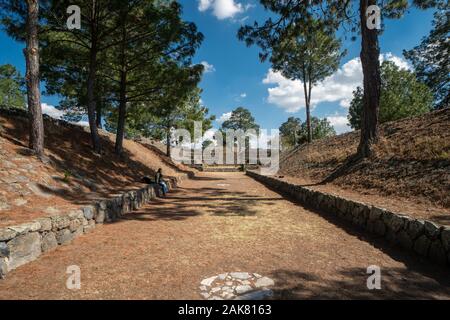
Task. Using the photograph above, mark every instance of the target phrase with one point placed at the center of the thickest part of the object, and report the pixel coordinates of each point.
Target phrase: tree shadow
(351, 283)
(87, 175)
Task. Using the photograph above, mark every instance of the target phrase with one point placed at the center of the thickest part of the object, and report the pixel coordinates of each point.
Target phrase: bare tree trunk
(372, 83)
(32, 79)
(98, 115)
(168, 153)
(122, 113)
(308, 111)
(91, 80)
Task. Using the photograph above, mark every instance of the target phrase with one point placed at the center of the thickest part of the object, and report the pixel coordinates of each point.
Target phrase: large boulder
(49, 242)
(7, 234)
(64, 236)
(23, 249)
(4, 250)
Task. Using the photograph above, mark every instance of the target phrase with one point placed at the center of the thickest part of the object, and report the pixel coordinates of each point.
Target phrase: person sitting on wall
(160, 181)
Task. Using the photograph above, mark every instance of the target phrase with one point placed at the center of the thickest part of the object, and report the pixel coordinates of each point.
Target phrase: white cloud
(243, 95)
(224, 117)
(209, 68)
(339, 87)
(52, 111)
(340, 123)
(204, 5)
(58, 114)
(222, 9)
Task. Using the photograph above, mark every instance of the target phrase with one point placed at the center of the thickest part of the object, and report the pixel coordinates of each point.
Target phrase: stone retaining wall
(26, 242)
(423, 237)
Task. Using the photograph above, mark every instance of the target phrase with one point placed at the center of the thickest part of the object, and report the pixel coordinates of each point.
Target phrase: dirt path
(220, 223)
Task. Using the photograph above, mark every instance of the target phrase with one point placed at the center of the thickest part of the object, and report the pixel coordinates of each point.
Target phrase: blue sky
(236, 77)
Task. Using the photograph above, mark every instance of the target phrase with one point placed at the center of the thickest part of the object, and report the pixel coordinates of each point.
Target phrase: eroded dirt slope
(73, 174)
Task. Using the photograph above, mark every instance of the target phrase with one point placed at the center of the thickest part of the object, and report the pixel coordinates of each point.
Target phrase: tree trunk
(98, 115)
(372, 83)
(308, 111)
(32, 79)
(122, 113)
(91, 82)
(168, 140)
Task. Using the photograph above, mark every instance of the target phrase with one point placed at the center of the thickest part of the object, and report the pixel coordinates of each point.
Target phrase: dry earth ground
(223, 222)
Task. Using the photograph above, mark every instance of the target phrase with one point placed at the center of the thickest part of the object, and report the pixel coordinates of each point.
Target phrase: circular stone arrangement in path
(236, 286)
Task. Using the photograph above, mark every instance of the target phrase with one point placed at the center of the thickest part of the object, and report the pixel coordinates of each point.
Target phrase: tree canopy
(430, 58)
(12, 91)
(241, 119)
(402, 95)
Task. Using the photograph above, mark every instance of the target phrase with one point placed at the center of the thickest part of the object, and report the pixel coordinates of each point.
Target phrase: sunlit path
(219, 223)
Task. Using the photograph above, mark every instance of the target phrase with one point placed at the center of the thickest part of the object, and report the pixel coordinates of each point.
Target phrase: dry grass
(74, 174)
(411, 161)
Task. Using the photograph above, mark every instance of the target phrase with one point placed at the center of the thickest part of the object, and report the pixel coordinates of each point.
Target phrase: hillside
(73, 174)
(410, 167)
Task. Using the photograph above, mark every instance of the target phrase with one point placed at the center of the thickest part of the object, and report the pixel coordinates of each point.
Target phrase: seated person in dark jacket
(159, 180)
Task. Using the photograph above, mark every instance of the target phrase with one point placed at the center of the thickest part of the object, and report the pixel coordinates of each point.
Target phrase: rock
(100, 216)
(74, 224)
(84, 222)
(205, 295)
(46, 224)
(396, 222)
(102, 205)
(437, 253)
(49, 242)
(7, 234)
(387, 217)
(243, 289)
(445, 238)
(60, 222)
(3, 268)
(88, 228)
(416, 228)
(370, 227)
(88, 213)
(404, 240)
(64, 236)
(264, 282)
(214, 290)
(203, 288)
(422, 245)
(32, 226)
(240, 275)
(432, 230)
(223, 276)
(375, 213)
(78, 232)
(208, 282)
(342, 206)
(256, 295)
(23, 249)
(76, 214)
(4, 250)
(379, 228)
